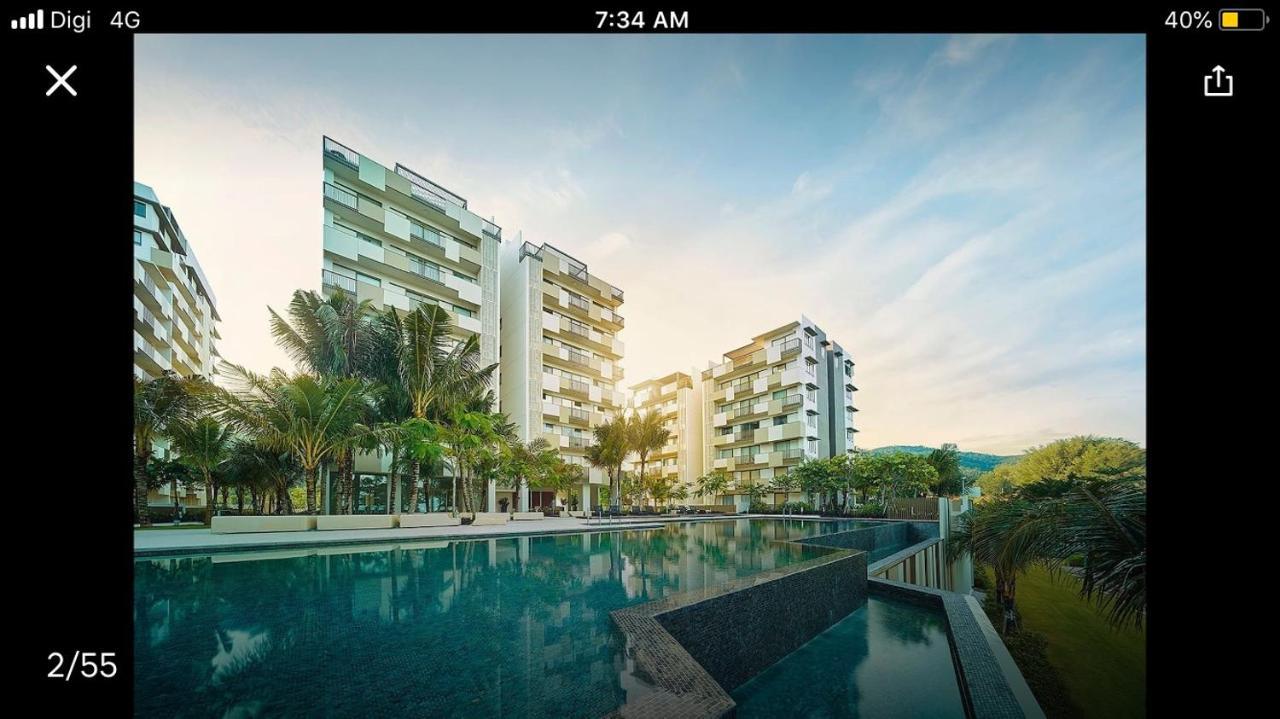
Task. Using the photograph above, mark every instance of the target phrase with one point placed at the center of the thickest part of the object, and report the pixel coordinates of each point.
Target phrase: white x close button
(61, 80)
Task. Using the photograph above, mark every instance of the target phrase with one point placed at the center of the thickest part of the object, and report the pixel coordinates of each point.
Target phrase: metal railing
(341, 196)
(790, 346)
(580, 358)
(339, 151)
(429, 188)
(330, 278)
(579, 414)
(792, 400)
(577, 328)
(579, 302)
(579, 387)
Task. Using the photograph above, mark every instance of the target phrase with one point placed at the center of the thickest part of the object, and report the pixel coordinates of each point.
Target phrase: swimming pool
(888, 658)
(517, 626)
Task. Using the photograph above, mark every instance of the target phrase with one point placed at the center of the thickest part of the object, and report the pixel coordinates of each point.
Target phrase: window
(139, 208)
(137, 237)
(368, 280)
(463, 311)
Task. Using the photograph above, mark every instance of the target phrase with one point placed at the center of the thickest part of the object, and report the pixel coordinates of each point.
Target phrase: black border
(70, 174)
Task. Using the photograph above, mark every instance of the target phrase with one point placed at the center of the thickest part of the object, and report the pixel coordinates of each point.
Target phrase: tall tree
(158, 405)
(646, 433)
(329, 337)
(607, 452)
(311, 417)
(946, 463)
(712, 484)
(204, 444)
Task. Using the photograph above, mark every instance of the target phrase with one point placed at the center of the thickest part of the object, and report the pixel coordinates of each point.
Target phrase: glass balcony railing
(792, 345)
(341, 196)
(579, 302)
(576, 386)
(580, 358)
(330, 278)
(578, 329)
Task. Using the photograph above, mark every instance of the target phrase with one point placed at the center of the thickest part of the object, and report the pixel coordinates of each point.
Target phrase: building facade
(678, 397)
(561, 356)
(399, 240)
(175, 313)
(785, 397)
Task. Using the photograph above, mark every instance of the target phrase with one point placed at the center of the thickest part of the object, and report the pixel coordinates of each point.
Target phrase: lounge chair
(525, 516)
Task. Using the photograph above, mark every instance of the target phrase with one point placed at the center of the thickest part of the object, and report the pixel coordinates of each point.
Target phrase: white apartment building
(175, 313)
(678, 396)
(784, 397)
(561, 354)
(397, 239)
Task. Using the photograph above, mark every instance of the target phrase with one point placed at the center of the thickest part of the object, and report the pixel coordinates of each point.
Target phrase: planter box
(486, 518)
(270, 523)
(430, 519)
(355, 521)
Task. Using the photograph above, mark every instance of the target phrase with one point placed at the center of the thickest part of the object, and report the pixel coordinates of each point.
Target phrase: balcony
(329, 278)
(792, 400)
(341, 196)
(341, 153)
(580, 416)
(573, 385)
(789, 347)
(578, 442)
(579, 358)
(579, 302)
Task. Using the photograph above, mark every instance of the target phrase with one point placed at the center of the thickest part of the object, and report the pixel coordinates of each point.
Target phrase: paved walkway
(202, 541)
(165, 542)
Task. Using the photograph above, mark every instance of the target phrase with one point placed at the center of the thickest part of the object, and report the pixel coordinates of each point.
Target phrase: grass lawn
(1104, 669)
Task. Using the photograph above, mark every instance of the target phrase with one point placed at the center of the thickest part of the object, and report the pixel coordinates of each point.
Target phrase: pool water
(517, 626)
(889, 658)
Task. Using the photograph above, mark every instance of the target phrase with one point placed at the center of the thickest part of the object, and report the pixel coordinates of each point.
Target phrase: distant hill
(968, 460)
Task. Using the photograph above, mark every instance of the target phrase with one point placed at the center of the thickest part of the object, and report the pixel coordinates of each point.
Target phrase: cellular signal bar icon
(32, 21)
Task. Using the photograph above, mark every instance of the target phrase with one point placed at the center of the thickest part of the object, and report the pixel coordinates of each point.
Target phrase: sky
(963, 214)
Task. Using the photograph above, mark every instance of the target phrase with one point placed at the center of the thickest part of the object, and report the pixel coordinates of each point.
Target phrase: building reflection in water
(513, 627)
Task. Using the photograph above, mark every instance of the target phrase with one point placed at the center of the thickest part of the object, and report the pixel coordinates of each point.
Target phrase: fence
(912, 508)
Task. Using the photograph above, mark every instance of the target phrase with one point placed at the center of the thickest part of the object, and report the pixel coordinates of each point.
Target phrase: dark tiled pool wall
(740, 633)
(868, 539)
(986, 690)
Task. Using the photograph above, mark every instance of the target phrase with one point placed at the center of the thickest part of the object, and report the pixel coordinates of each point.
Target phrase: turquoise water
(514, 627)
(887, 659)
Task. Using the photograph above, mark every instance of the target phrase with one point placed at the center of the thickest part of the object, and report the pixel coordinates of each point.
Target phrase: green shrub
(870, 509)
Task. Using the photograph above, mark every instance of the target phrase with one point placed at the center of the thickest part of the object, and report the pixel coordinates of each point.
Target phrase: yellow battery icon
(1242, 19)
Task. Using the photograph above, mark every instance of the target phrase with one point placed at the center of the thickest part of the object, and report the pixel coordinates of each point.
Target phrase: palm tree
(332, 337)
(645, 434)
(158, 405)
(203, 444)
(435, 373)
(712, 485)
(525, 463)
(607, 452)
(311, 417)
(1102, 519)
(264, 471)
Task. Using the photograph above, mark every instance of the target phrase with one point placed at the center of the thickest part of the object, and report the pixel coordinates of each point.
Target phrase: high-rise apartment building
(678, 397)
(561, 375)
(785, 397)
(175, 314)
(397, 239)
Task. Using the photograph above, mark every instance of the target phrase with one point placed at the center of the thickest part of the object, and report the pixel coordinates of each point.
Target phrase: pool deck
(201, 541)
